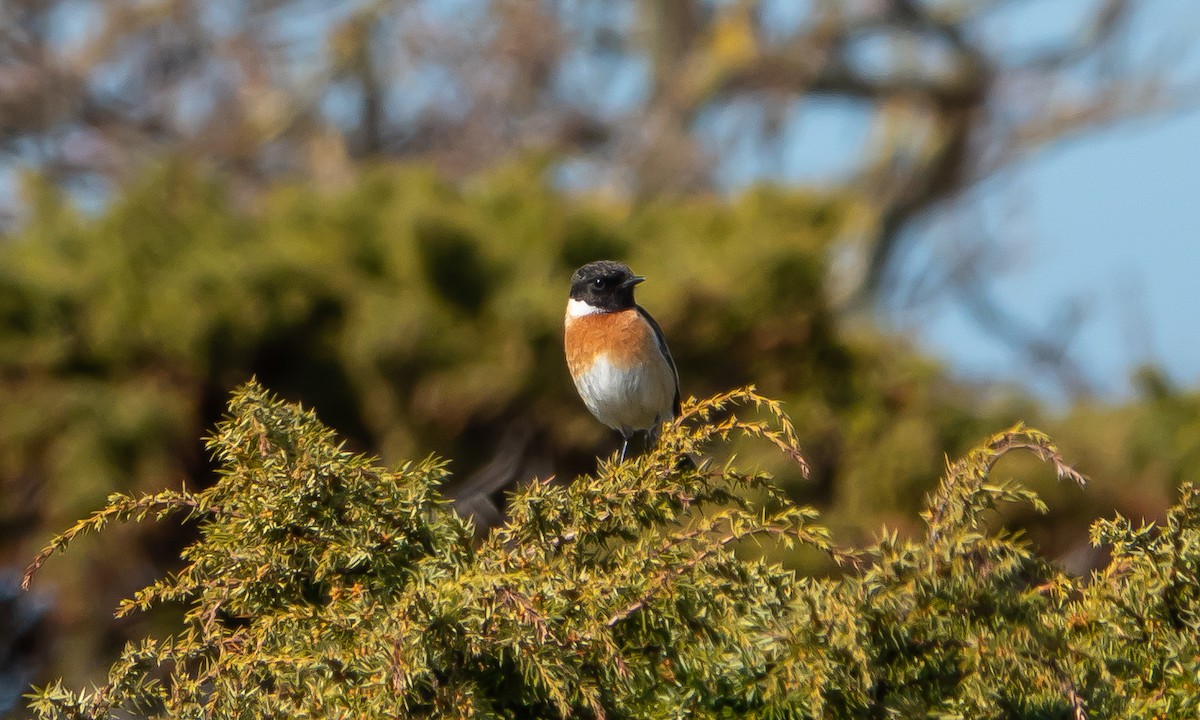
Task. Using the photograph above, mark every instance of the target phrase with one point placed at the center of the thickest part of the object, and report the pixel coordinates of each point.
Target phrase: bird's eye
(598, 283)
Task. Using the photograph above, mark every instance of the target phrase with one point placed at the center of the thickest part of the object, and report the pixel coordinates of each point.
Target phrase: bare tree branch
(260, 86)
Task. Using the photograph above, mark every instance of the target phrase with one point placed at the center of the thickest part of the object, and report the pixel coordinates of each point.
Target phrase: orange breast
(625, 337)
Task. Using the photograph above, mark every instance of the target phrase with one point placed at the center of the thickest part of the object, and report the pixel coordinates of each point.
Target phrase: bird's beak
(633, 281)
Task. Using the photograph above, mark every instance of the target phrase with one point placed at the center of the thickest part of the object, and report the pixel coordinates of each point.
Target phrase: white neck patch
(578, 308)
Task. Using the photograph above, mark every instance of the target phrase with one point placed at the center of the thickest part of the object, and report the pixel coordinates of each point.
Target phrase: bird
(617, 354)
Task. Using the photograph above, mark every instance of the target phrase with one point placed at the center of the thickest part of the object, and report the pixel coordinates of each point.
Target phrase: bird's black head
(605, 285)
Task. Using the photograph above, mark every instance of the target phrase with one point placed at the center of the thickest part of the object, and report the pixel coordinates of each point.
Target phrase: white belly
(636, 398)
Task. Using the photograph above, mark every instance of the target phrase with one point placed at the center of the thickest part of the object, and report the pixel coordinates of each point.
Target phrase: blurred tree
(619, 90)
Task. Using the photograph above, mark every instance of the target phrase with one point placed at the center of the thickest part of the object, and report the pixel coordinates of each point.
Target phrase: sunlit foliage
(323, 585)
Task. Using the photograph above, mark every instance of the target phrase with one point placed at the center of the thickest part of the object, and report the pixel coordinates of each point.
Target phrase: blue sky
(1113, 223)
(1108, 221)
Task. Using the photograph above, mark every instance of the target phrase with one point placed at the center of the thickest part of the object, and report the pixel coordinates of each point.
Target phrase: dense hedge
(420, 315)
(325, 586)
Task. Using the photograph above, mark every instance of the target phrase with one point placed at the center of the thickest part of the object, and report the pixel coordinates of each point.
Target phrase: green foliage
(322, 585)
(422, 315)
(416, 313)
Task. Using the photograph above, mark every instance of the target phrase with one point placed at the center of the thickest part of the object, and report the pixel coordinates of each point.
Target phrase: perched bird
(616, 353)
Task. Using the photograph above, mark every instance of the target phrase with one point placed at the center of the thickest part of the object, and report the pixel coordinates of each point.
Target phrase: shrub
(420, 315)
(322, 585)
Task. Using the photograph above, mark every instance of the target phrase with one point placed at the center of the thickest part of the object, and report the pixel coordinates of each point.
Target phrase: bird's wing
(662, 345)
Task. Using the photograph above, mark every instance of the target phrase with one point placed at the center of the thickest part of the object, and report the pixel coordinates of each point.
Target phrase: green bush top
(325, 586)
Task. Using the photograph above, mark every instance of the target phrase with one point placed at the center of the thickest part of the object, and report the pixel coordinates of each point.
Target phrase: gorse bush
(422, 315)
(419, 315)
(322, 585)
